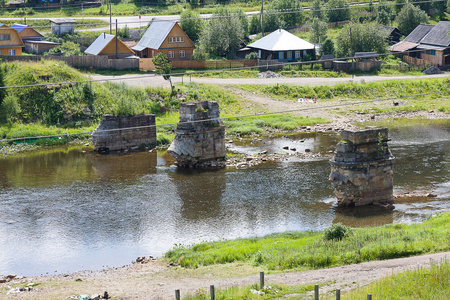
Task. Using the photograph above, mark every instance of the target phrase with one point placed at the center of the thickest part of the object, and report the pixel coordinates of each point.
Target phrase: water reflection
(70, 210)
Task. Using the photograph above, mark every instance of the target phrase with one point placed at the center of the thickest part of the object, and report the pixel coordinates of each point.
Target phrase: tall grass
(309, 250)
(422, 283)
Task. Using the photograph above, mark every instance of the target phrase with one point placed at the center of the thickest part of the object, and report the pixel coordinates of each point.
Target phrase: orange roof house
(27, 33)
(109, 45)
(10, 42)
(167, 37)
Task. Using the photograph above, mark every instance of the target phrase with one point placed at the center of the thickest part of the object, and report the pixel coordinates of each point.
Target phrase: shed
(365, 55)
(393, 34)
(282, 45)
(39, 47)
(62, 26)
(109, 45)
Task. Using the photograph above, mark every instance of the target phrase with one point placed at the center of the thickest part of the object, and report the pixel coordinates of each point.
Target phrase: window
(431, 52)
(153, 53)
(176, 39)
(280, 55)
(11, 52)
(171, 54)
(297, 54)
(289, 55)
(182, 53)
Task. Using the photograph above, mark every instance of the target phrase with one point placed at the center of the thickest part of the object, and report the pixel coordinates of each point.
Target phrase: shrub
(252, 55)
(336, 232)
(10, 109)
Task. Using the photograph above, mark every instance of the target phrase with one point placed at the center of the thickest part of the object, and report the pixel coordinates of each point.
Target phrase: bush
(124, 32)
(252, 55)
(336, 232)
(200, 55)
(10, 109)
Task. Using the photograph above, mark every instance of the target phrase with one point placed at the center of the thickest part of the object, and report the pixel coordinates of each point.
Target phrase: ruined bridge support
(362, 168)
(199, 136)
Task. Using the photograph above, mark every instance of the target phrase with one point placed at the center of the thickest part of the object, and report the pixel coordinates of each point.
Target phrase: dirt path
(156, 280)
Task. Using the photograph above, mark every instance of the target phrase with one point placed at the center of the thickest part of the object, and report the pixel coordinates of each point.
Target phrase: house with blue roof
(109, 45)
(166, 37)
(27, 33)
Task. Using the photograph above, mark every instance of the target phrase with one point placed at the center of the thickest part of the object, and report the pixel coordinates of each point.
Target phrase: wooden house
(27, 33)
(426, 45)
(109, 45)
(62, 26)
(10, 42)
(166, 37)
(282, 46)
(3, 26)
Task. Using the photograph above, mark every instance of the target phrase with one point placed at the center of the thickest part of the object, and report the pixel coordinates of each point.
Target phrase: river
(67, 210)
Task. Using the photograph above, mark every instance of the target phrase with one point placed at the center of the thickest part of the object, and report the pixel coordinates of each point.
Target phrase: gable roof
(438, 35)
(155, 35)
(19, 27)
(62, 20)
(281, 40)
(418, 33)
(101, 42)
(15, 39)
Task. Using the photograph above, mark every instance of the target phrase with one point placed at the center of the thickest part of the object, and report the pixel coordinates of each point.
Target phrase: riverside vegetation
(76, 108)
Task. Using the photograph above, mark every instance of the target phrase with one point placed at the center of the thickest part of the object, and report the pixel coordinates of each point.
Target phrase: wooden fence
(96, 62)
(416, 61)
(146, 64)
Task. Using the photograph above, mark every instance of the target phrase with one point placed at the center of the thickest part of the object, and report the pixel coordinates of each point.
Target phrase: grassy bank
(310, 250)
(422, 283)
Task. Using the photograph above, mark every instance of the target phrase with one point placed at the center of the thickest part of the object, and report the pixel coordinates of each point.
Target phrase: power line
(190, 73)
(232, 117)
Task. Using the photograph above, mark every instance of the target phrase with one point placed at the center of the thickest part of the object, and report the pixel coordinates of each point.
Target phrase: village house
(109, 45)
(10, 42)
(282, 46)
(426, 45)
(166, 37)
(33, 39)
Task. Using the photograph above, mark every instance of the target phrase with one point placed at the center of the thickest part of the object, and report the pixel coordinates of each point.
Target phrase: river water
(63, 211)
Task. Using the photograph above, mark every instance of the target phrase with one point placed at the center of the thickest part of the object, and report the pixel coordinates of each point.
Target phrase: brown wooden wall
(122, 49)
(30, 33)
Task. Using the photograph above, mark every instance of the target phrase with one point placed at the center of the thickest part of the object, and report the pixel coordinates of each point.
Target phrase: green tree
(2, 81)
(255, 24)
(423, 5)
(163, 67)
(223, 33)
(271, 21)
(292, 12)
(399, 4)
(67, 49)
(318, 31)
(243, 18)
(384, 13)
(361, 37)
(327, 47)
(338, 10)
(191, 23)
(409, 17)
(317, 11)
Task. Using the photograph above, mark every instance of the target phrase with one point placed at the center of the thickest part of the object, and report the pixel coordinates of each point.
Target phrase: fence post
(369, 296)
(177, 295)
(261, 280)
(316, 292)
(338, 294)
(211, 289)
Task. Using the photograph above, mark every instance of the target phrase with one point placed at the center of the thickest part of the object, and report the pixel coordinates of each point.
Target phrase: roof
(41, 42)
(403, 46)
(19, 27)
(418, 33)
(365, 54)
(97, 46)
(281, 40)
(62, 20)
(438, 35)
(327, 56)
(155, 35)
(431, 47)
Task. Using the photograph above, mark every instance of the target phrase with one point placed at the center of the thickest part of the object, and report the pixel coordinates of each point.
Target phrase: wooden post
(338, 294)
(211, 289)
(369, 296)
(261, 280)
(316, 292)
(177, 295)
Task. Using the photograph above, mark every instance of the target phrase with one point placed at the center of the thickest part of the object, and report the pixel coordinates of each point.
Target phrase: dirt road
(156, 280)
(157, 80)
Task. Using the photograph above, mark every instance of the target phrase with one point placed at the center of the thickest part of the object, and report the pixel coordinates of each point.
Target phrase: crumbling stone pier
(199, 136)
(116, 133)
(362, 168)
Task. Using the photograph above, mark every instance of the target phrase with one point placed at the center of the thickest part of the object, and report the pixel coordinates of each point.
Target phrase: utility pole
(110, 21)
(116, 38)
(262, 18)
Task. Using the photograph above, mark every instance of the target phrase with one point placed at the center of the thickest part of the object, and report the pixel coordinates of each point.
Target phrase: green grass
(422, 283)
(309, 250)
(274, 291)
(258, 124)
(17, 130)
